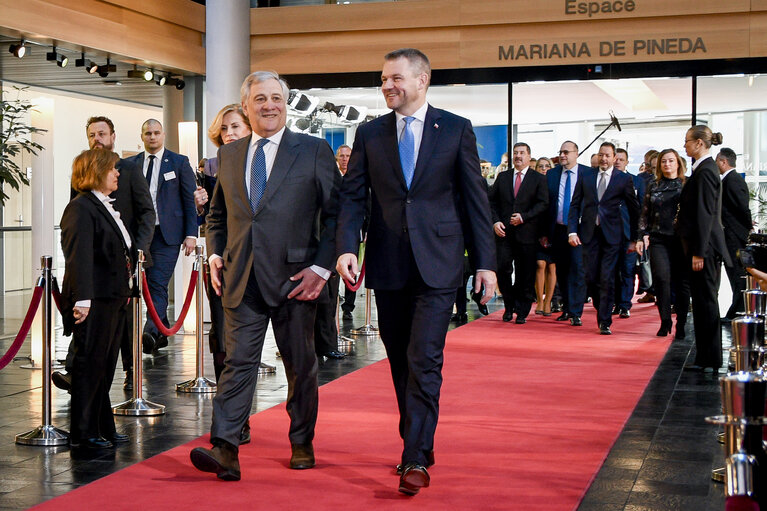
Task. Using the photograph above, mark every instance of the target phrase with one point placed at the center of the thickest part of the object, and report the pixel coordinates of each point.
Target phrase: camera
(754, 254)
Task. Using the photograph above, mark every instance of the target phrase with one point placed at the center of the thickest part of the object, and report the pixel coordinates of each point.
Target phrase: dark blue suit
(602, 242)
(177, 220)
(415, 251)
(568, 260)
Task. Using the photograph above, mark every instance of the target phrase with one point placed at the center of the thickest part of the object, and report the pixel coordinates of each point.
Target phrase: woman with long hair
(546, 271)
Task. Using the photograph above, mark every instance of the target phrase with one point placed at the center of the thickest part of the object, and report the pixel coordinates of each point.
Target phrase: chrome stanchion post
(138, 406)
(46, 434)
(368, 329)
(345, 344)
(199, 384)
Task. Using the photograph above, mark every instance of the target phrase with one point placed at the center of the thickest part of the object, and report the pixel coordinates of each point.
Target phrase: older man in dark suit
(271, 236)
(420, 166)
(595, 220)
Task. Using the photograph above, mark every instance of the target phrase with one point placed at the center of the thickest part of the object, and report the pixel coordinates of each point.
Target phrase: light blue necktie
(566, 199)
(407, 152)
(258, 175)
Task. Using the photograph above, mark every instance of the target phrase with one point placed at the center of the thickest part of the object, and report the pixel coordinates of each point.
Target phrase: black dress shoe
(148, 343)
(604, 329)
(62, 380)
(245, 434)
(459, 318)
(520, 321)
(624, 313)
(429, 462)
(576, 321)
(482, 308)
(616, 310)
(94, 443)
(119, 438)
(413, 478)
(508, 314)
(128, 383)
(162, 342)
(333, 354)
(222, 460)
(302, 456)
(563, 317)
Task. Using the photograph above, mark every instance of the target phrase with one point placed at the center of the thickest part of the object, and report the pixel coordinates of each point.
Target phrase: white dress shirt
(416, 127)
(722, 176)
(697, 162)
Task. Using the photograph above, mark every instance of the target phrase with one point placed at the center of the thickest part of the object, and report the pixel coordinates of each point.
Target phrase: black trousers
(705, 311)
(246, 325)
(570, 273)
(600, 259)
(126, 347)
(349, 297)
(669, 276)
(413, 323)
(325, 331)
(521, 260)
(96, 344)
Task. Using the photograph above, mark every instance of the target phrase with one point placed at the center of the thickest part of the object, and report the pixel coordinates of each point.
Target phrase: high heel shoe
(665, 329)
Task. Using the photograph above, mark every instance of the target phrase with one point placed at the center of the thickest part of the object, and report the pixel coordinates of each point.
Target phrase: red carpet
(528, 414)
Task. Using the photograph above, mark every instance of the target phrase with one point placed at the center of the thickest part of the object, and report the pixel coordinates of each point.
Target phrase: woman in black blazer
(95, 292)
(699, 226)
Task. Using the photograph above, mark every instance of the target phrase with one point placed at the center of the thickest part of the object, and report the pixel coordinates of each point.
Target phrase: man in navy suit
(595, 220)
(429, 202)
(568, 259)
(172, 185)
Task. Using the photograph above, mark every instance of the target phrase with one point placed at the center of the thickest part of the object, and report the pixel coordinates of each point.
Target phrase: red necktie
(517, 183)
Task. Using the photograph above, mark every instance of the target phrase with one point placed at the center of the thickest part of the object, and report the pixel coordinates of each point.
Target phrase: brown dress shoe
(303, 456)
(222, 460)
(413, 478)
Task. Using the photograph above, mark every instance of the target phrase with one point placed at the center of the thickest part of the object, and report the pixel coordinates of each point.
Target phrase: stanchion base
(138, 407)
(199, 385)
(345, 342)
(44, 436)
(265, 369)
(718, 475)
(365, 330)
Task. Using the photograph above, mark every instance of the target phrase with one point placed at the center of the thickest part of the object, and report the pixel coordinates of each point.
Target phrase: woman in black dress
(656, 231)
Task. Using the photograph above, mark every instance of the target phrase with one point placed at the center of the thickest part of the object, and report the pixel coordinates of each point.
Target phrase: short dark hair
(728, 155)
(622, 150)
(100, 118)
(150, 121)
(415, 57)
(522, 144)
(571, 142)
(608, 144)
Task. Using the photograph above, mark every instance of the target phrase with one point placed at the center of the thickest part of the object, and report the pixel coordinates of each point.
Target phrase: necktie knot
(409, 119)
(261, 143)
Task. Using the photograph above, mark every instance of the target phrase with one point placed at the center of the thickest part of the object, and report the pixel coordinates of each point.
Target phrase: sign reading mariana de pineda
(606, 48)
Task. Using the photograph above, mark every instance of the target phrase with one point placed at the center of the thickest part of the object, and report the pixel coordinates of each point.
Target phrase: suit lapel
(164, 167)
(391, 146)
(431, 130)
(283, 161)
(240, 158)
(108, 216)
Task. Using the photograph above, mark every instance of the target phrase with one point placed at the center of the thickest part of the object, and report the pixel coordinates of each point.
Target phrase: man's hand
(574, 240)
(189, 244)
(200, 198)
(697, 263)
(216, 266)
(347, 267)
(489, 280)
(639, 246)
(80, 313)
(499, 229)
(516, 219)
(310, 286)
(632, 247)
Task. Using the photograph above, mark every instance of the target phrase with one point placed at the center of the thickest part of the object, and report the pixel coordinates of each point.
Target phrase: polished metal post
(368, 329)
(345, 344)
(137, 406)
(46, 434)
(199, 384)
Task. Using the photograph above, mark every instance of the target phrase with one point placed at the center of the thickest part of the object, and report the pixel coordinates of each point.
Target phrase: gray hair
(262, 76)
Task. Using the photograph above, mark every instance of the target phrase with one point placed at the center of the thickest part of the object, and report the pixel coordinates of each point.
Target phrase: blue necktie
(258, 175)
(566, 199)
(407, 152)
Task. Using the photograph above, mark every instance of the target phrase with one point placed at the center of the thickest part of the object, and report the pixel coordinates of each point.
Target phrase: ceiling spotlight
(302, 103)
(353, 114)
(90, 66)
(18, 50)
(179, 83)
(61, 59)
(160, 79)
(107, 68)
(303, 123)
(146, 75)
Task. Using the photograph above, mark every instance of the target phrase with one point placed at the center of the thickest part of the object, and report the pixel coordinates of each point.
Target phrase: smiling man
(420, 167)
(271, 240)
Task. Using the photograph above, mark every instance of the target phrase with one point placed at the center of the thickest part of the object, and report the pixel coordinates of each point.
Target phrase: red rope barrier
(56, 294)
(25, 326)
(153, 313)
(356, 286)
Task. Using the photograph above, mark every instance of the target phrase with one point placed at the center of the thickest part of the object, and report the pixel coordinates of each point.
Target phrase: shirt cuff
(322, 272)
(212, 257)
(83, 303)
(572, 234)
(191, 237)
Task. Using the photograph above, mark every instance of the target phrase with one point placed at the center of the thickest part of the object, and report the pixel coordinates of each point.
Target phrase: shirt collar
(697, 162)
(158, 154)
(276, 138)
(419, 114)
(107, 200)
(727, 172)
(609, 172)
(523, 171)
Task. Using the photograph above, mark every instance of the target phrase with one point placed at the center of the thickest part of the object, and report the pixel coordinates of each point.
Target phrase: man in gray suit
(271, 234)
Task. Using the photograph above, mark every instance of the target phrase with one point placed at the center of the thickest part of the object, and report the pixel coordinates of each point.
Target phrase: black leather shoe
(563, 317)
(222, 460)
(624, 313)
(576, 321)
(162, 342)
(347, 316)
(461, 319)
(128, 383)
(148, 343)
(482, 308)
(302, 456)
(119, 438)
(520, 321)
(62, 380)
(616, 310)
(604, 329)
(334, 354)
(245, 434)
(429, 463)
(95, 443)
(508, 314)
(413, 478)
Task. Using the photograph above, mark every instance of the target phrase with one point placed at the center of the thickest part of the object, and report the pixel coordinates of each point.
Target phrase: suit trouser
(126, 347)
(669, 276)
(158, 276)
(705, 311)
(735, 274)
(519, 258)
(96, 345)
(600, 260)
(570, 272)
(413, 322)
(624, 281)
(325, 331)
(349, 297)
(246, 326)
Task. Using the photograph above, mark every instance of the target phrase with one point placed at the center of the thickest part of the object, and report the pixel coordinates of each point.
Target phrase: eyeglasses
(566, 152)
(689, 140)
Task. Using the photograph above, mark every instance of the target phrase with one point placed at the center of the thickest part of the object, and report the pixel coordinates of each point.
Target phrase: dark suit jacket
(426, 222)
(531, 202)
(585, 207)
(552, 178)
(175, 196)
(294, 226)
(698, 221)
(95, 254)
(736, 215)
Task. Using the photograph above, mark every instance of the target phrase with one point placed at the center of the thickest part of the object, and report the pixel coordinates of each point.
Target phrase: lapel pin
(436, 125)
